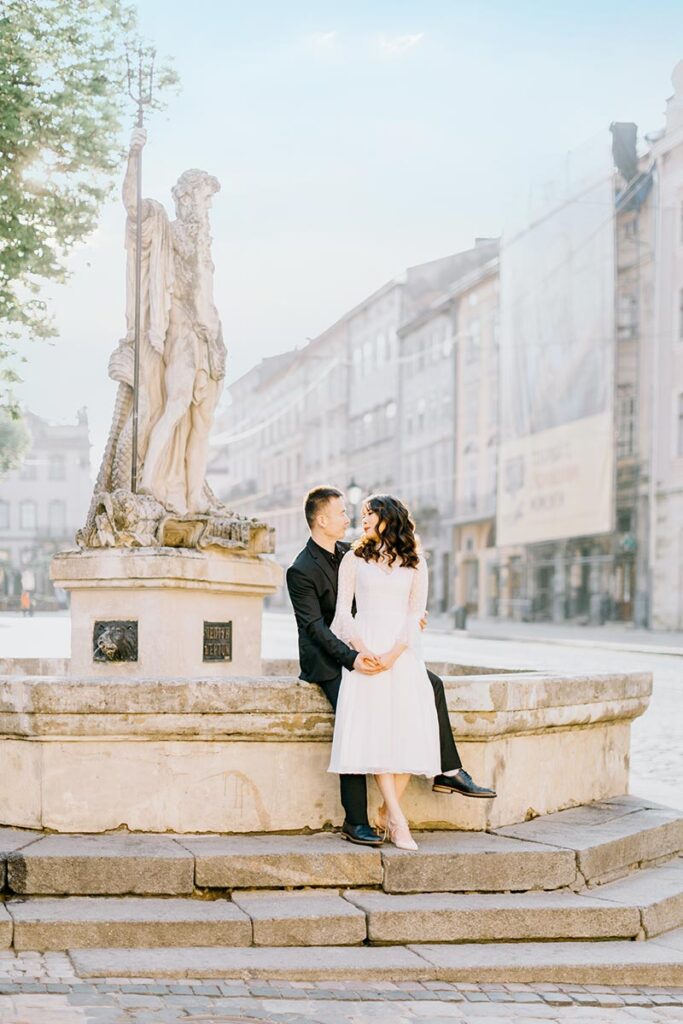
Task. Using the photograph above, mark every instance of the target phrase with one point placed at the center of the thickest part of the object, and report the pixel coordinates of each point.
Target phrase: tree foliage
(14, 440)
(63, 96)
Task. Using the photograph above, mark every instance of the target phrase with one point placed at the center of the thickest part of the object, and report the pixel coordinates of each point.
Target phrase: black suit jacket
(312, 585)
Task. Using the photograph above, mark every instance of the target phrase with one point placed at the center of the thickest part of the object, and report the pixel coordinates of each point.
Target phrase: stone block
(92, 922)
(114, 864)
(306, 918)
(255, 862)
(190, 786)
(670, 940)
(476, 862)
(658, 892)
(20, 782)
(580, 963)
(489, 917)
(303, 963)
(609, 836)
(6, 928)
(12, 839)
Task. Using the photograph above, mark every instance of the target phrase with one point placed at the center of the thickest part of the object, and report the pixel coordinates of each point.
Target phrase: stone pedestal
(174, 604)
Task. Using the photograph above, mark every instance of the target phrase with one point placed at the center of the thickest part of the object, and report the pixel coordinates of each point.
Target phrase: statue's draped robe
(160, 279)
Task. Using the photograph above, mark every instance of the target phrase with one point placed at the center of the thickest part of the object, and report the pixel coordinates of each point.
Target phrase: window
(624, 520)
(473, 344)
(680, 427)
(27, 515)
(390, 410)
(626, 420)
(421, 406)
(471, 410)
(471, 481)
(368, 356)
(57, 467)
(57, 517)
(28, 470)
(627, 320)
(4, 515)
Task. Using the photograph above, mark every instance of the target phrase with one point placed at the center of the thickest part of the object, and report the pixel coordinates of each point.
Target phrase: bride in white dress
(386, 724)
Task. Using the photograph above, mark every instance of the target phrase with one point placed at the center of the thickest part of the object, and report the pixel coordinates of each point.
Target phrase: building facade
(403, 394)
(430, 410)
(665, 490)
(42, 504)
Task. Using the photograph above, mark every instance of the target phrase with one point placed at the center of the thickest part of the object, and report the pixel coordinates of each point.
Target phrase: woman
(386, 724)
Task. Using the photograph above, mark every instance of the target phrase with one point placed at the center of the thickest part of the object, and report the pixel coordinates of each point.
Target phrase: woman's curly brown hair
(396, 539)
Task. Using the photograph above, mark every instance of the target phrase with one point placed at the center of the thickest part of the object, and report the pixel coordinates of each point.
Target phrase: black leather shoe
(361, 834)
(462, 783)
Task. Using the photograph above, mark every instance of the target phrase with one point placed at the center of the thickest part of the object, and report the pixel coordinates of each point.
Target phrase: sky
(352, 140)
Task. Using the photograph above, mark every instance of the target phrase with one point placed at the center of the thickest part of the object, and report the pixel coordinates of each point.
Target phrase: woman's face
(369, 522)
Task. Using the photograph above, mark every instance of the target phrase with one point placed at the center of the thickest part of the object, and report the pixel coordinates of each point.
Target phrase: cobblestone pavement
(43, 989)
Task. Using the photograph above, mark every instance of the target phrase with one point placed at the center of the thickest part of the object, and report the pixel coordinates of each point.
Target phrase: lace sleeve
(342, 623)
(417, 605)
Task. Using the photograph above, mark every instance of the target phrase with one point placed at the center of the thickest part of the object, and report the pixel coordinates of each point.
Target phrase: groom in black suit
(312, 584)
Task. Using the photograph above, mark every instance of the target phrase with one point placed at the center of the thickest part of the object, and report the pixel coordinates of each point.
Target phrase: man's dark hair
(315, 499)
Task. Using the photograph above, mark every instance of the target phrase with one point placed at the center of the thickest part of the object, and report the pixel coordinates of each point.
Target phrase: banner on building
(555, 476)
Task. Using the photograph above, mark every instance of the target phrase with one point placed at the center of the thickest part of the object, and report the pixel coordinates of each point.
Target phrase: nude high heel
(399, 835)
(380, 824)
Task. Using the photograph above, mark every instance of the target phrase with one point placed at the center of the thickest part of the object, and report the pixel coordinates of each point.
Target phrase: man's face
(333, 519)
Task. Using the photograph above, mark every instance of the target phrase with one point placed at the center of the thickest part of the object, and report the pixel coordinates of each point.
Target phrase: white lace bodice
(390, 601)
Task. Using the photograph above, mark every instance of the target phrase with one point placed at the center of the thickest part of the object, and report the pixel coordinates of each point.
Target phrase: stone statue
(182, 366)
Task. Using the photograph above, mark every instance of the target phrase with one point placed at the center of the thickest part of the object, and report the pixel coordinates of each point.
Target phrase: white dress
(386, 722)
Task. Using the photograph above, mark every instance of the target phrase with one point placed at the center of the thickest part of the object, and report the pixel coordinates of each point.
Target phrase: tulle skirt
(387, 722)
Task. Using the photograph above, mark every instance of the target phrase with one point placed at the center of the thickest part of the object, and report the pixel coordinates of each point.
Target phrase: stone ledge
(143, 568)
(282, 708)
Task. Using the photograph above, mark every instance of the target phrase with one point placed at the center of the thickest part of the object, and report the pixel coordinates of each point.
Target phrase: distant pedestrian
(26, 607)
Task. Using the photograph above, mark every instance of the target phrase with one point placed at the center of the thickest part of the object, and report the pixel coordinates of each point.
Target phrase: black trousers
(354, 788)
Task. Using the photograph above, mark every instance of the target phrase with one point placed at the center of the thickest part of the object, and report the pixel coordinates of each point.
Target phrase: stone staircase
(558, 898)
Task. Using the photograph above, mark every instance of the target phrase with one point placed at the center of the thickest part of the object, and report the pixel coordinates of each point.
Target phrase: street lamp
(355, 493)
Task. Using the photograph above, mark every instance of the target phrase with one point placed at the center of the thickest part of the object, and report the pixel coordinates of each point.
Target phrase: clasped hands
(370, 664)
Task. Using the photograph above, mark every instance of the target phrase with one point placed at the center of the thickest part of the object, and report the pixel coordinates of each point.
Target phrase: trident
(140, 87)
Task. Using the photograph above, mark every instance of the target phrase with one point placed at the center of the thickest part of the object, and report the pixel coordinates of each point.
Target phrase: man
(312, 585)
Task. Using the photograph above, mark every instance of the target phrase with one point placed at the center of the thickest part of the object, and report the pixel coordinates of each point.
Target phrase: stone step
(108, 864)
(657, 892)
(302, 918)
(492, 917)
(476, 862)
(613, 963)
(12, 839)
(595, 843)
(85, 921)
(609, 837)
(644, 904)
(268, 862)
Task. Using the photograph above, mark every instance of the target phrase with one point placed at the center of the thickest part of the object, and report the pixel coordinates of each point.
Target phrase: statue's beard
(192, 228)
